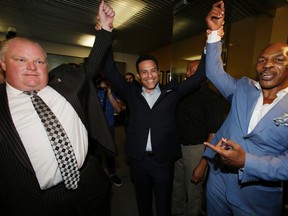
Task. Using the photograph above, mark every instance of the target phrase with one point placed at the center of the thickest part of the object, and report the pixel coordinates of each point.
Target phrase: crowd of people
(56, 126)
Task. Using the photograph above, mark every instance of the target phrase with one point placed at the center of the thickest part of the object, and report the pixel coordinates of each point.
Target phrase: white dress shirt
(34, 136)
(261, 109)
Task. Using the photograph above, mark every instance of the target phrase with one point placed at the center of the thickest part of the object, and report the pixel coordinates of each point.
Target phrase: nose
(149, 73)
(269, 64)
(31, 65)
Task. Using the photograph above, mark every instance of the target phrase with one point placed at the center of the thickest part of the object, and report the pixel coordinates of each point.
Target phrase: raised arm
(103, 41)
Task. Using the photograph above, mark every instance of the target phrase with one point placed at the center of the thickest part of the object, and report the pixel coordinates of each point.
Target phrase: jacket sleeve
(225, 83)
(117, 80)
(269, 168)
(94, 63)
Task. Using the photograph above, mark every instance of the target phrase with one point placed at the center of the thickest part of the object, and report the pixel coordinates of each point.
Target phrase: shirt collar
(12, 91)
(280, 93)
(156, 90)
(15, 92)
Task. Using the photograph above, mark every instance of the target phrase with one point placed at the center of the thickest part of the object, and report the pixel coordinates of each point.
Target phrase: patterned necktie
(59, 141)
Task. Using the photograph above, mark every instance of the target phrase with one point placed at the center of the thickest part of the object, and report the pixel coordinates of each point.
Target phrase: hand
(215, 18)
(231, 153)
(220, 32)
(198, 174)
(105, 17)
(199, 171)
(109, 91)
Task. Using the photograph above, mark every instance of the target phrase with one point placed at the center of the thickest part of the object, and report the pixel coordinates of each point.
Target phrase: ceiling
(151, 26)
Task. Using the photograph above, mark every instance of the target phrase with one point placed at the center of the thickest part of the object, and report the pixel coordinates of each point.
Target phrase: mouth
(31, 75)
(150, 81)
(267, 76)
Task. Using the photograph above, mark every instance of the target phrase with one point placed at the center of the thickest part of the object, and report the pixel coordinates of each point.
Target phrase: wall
(248, 37)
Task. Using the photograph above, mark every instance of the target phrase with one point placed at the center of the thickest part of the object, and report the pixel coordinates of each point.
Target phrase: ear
(137, 75)
(2, 65)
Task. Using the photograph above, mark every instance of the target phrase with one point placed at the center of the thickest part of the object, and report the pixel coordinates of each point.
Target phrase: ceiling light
(193, 58)
(86, 40)
(125, 10)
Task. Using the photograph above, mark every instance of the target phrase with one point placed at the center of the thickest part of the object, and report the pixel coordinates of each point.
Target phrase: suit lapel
(57, 84)
(275, 112)
(247, 107)
(9, 132)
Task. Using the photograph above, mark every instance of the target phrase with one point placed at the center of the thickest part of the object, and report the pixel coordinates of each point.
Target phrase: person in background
(110, 105)
(129, 77)
(31, 180)
(199, 116)
(248, 155)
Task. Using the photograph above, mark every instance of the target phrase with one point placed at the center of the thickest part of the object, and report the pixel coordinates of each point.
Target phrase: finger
(231, 144)
(217, 4)
(215, 13)
(101, 6)
(214, 148)
(222, 6)
(220, 143)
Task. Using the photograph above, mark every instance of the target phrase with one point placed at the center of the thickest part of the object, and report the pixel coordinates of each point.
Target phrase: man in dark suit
(151, 142)
(30, 182)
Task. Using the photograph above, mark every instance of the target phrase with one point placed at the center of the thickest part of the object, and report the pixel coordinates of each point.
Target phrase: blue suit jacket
(266, 146)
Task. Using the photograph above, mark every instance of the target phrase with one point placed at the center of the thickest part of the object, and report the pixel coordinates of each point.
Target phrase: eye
(21, 60)
(261, 61)
(40, 62)
(154, 70)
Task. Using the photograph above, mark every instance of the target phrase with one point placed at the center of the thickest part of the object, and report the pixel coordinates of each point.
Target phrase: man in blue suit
(252, 143)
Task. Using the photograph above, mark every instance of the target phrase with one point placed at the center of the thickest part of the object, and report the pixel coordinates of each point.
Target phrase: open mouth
(267, 76)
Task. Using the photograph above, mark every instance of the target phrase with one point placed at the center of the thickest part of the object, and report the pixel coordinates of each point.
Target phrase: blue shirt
(109, 110)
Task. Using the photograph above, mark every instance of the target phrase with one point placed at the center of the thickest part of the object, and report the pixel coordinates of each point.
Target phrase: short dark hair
(131, 74)
(144, 58)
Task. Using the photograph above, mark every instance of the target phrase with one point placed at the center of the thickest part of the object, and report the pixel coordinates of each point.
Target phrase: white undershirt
(34, 137)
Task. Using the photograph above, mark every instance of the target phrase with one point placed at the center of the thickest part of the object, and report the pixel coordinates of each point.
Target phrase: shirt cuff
(213, 37)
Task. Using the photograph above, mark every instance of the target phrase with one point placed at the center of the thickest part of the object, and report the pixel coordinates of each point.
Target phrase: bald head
(25, 64)
(272, 67)
(276, 47)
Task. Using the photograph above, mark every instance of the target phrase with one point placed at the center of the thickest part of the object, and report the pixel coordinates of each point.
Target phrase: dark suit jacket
(19, 188)
(160, 119)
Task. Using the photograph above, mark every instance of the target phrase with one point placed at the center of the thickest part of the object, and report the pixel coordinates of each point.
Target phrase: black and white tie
(59, 141)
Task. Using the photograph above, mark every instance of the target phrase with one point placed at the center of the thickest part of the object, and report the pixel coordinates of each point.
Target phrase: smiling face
(272, 67)
(148, 75)
(25, 64)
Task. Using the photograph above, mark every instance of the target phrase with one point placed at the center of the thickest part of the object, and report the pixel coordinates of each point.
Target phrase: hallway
(123, 198)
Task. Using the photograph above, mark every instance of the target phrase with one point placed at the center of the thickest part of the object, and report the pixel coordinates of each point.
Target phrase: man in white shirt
(31, 182)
